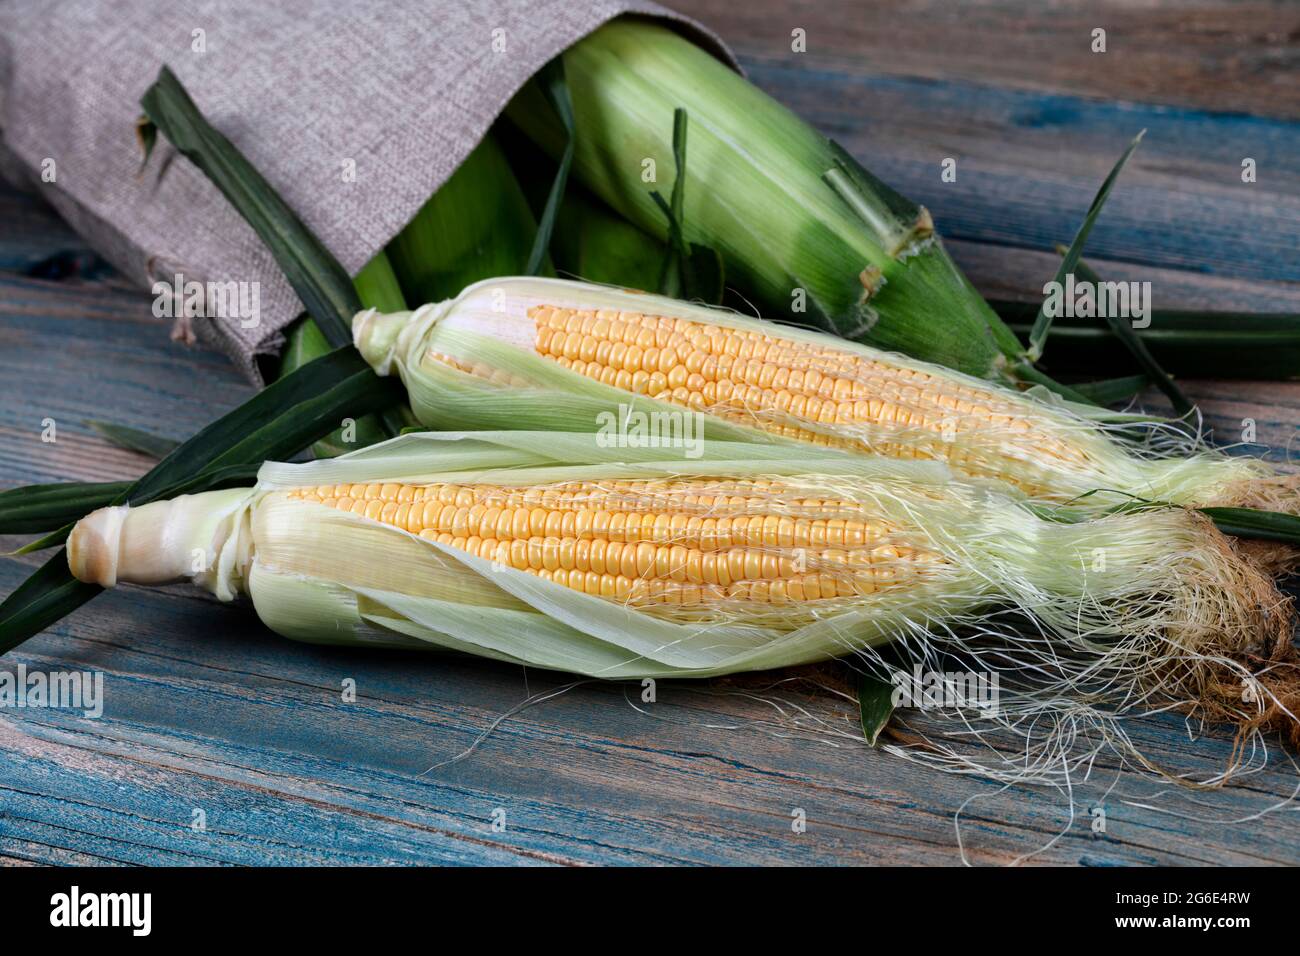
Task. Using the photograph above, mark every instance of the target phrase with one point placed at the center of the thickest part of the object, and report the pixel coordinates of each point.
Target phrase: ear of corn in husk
(848, 256)
(561, 355)
(552, 550)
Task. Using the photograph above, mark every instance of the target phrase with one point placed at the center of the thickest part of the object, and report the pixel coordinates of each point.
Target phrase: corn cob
(650, 542)
(544, 353)
(550, 550)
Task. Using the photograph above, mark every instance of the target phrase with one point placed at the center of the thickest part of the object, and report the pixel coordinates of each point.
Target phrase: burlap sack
(397, 91)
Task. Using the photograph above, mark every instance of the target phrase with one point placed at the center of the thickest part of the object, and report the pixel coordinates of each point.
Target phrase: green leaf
(134, 439)
(1125, 332)
(689, 271)
(1259, 525)
(303, 342)
(46, 596)
(875, 705)
(595, 244)
(1043, 321)
(285, 435)
(1111, 390)
(259, 412)
(1192, 343)
(211, 479)
(551, 80)
(51, 540)
(476, 226)
(321, 283)
(377, 286)
(36, 508)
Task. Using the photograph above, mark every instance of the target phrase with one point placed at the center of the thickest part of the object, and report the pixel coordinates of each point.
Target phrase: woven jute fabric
(356, 113)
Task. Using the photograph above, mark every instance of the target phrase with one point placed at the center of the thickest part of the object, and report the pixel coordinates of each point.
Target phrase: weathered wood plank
(205, 709)
(74, 350)
(1238, 56)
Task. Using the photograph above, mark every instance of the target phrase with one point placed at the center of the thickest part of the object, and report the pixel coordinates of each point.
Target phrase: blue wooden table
(222, 743)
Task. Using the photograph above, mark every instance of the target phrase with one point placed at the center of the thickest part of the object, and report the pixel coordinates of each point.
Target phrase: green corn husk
(377, 285)
(476, 225)
(1166, 613)
(864, 257)
(1035, 443)
(593, 243)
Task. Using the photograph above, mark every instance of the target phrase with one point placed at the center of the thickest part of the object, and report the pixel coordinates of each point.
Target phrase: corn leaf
(287, 434)
(551, 80)
(1137, 348)
(1259, 525)
(478, 225)
(48, 595)
(596, 244)
(1186, 342)
(308, 402)
(1043, 321)
(895, 220)
(259, 413)
(1112, 390)
(134, 439)
(690, 271)
(305, 343)
(35, 508)
(209, 480)
(378, 288)
(277, 422)
(875, 705)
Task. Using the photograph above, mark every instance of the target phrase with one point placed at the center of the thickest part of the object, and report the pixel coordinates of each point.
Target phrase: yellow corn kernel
(652, 541)
(782, 386)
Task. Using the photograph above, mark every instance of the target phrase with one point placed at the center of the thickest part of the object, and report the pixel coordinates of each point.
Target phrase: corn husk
(594, 244)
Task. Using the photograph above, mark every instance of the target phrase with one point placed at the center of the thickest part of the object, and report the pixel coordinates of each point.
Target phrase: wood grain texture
(207, 711)
(1230, 56)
